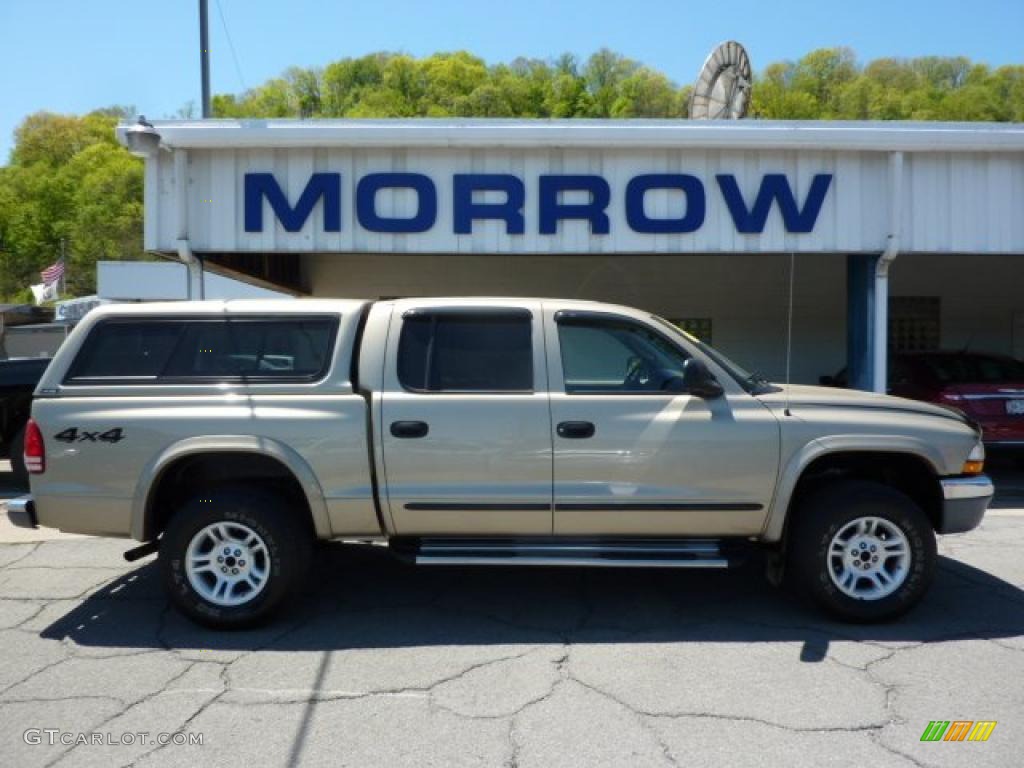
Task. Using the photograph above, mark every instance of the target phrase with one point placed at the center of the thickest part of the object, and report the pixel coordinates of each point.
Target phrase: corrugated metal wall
(954, 202)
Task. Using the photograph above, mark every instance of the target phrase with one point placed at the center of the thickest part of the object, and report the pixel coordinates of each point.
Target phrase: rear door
(465, 424)
(632, 458)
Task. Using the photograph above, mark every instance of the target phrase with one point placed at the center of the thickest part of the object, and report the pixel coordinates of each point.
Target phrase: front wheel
(863, 551)
(232, 556)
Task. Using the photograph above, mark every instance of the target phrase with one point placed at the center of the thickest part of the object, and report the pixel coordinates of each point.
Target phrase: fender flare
(790, 475)
(206, 444)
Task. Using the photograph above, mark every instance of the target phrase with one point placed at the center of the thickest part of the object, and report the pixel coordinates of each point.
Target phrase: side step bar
(604, 553)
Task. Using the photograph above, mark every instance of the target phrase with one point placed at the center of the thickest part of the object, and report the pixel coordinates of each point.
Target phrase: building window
(466, 351)
(695, 326)
(914, 323)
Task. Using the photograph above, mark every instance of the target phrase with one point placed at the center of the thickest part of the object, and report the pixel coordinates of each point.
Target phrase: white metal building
(693, 220)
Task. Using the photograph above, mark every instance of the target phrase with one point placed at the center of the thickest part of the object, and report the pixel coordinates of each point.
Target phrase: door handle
(409, 428)
(575, 429)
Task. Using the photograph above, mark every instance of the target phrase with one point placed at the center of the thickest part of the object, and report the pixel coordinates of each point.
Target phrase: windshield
(973, 369)
(753, 383)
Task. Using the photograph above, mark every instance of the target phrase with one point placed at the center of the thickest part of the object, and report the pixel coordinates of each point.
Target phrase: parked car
(18, 378)
(988, 388)
(229, 436)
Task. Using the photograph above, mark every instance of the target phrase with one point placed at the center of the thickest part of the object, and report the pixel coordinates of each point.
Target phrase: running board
(603, 553)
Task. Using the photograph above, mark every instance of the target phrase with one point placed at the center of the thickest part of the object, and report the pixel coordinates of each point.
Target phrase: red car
(988, 388)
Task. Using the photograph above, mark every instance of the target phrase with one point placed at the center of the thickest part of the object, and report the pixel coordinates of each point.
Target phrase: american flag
(53, 273)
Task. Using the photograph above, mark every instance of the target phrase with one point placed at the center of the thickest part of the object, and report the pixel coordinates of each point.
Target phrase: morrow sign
(749, 214)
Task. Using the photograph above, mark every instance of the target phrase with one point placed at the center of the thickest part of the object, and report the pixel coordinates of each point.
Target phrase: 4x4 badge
(73, 435)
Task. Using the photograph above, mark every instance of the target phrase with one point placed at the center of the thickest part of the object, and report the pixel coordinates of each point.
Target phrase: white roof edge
(283, 305)
(878, 136)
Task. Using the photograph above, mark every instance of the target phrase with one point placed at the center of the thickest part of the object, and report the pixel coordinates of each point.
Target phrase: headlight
(975, 460)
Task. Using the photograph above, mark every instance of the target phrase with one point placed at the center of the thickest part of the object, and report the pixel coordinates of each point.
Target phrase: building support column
(867, 297)
(196, 288)
(860, 319)
(880, 345)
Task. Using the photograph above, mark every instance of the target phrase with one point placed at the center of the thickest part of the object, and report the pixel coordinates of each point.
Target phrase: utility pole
(195, 267)
(204, 53)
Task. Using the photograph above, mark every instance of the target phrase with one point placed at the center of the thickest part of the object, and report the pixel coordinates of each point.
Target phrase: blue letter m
(774, 186)
(260, 185)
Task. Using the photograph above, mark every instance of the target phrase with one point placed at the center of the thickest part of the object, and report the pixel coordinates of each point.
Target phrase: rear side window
(188, 351)
(126, 350)
(466, 351)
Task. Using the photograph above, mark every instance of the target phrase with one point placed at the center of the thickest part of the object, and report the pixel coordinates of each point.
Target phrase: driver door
(632, 458)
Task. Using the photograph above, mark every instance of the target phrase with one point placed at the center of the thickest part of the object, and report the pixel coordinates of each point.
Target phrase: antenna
(789, 328)
(722, 90)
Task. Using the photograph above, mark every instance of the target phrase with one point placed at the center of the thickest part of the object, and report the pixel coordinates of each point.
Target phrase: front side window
(616, 356)
(188, 351)
(466, 351)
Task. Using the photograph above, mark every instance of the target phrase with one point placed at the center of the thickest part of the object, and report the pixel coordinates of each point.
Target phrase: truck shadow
(361, 597)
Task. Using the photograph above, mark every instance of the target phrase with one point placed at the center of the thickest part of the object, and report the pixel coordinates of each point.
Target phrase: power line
(231, 46)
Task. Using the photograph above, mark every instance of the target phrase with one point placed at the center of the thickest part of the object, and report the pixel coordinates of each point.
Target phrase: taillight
(35, 451)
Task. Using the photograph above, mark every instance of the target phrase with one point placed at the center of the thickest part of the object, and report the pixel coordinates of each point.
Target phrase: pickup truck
(229, 437)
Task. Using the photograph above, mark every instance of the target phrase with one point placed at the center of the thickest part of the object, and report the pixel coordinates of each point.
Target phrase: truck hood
(800, 395)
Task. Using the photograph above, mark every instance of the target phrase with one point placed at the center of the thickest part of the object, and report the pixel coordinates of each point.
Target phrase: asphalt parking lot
(380, 664)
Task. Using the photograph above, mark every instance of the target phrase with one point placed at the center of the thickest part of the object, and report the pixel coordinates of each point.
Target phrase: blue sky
(75, 55)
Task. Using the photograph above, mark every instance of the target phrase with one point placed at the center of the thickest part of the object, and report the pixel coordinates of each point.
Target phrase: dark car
(988, 388)
(18, 379)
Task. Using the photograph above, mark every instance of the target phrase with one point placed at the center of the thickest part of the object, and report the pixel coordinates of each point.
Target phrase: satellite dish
(722, 90)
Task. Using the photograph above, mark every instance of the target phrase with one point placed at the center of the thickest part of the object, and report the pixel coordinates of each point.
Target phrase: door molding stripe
(625, 506)
(629, 506)
(423, 506)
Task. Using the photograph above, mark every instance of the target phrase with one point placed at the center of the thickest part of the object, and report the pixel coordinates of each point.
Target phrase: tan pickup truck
(229, 436)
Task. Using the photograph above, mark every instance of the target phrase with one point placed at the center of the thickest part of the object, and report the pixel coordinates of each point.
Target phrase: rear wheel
(232, 556)
(863, 551)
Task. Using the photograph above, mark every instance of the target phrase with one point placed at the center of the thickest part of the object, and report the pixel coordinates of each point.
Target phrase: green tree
(345, 81)
(567, 96)
(604, 73)
(450, 79)
(305, 88)
(68, 179)
(406, 81)
(822, 74)
(646, 93)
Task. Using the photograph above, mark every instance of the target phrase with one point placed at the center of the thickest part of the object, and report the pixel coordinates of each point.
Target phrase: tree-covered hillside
(824, 84)
(68, 179)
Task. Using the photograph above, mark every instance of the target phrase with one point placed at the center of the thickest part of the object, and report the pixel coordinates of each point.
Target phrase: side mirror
(699, 381)
(674, 384)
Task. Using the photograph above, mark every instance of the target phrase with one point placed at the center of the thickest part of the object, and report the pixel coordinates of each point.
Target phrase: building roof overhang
(751, 134)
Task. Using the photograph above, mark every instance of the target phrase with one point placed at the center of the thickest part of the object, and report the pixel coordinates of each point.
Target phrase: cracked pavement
(384, 664)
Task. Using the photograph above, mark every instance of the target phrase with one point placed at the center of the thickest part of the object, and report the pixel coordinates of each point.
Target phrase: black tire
(827, 511)
(18, 458)
(285, 530)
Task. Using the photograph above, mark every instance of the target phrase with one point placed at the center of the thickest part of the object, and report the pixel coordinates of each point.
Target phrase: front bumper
(22, 512)
(964, 501)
